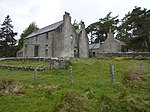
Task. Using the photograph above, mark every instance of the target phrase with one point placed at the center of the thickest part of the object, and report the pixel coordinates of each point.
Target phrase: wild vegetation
(90, 90)
(133, 29)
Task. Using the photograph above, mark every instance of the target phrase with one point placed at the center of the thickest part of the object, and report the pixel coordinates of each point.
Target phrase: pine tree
(135, 29)
(7, 38)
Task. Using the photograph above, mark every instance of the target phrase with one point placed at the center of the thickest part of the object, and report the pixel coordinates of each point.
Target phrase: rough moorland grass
(91, 89)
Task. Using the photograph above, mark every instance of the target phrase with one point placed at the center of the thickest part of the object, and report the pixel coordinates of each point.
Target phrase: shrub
(122, 58)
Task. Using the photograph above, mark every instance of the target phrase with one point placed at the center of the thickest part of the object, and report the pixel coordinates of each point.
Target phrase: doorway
(36, 51)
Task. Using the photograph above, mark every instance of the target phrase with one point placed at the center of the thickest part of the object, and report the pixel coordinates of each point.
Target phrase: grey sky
(46, 12)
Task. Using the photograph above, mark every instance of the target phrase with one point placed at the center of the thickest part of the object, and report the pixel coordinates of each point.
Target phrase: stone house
(94, 49)
(110, 45)
(57, 40)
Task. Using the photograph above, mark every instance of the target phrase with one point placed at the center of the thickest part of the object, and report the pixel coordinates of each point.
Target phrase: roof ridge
(51, 24)
(93, 45)
(46, 29)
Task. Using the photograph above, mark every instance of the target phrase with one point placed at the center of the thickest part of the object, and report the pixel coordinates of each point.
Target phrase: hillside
(90, 90)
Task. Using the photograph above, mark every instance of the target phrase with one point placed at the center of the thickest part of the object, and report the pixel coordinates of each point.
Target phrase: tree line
(133, 29)
(8, 47)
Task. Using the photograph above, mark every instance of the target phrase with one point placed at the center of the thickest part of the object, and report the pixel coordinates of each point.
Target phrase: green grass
(34, 64)
(90, 91)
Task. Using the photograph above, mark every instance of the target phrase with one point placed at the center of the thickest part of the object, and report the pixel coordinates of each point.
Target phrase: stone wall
(83, 42)
(54, 63)
(43, 41)
(125, 54)
(20, 67)
(58, 63)
(111, 44)
(56, 40)
(94, 53)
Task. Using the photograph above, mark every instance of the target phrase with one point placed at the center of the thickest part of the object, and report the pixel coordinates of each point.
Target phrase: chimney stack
(81, 25)
(66, 17)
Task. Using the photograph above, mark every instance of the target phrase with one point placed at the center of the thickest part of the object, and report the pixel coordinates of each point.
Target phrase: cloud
(92, 10)
(45, 12)
(23, 12)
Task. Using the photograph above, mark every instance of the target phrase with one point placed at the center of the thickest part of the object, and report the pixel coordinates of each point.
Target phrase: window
(75, 53)
(46, 50)
(25, 50)
(47, 35)
(93, 54)
(36, 38)
(122, 48)
(36, 51)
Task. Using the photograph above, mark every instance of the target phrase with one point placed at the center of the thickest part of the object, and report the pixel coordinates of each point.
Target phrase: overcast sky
(46, 12)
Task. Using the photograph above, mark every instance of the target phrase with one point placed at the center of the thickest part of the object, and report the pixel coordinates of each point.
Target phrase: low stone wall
(19, 67)
(58, 63)
(54, 63)
(125, 54)
(30, 58)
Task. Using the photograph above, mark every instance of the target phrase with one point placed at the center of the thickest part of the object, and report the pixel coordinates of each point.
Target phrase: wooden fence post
(141, 66)
(71, 74)
(111, 72)
(35, 78)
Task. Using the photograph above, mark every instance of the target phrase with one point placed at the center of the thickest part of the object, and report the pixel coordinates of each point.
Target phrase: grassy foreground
(90, 90)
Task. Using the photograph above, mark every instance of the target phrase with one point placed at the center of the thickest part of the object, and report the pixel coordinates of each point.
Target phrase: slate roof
(78, 31)
(94, 46)
(121, 42)
(46, 29)
(21, 50)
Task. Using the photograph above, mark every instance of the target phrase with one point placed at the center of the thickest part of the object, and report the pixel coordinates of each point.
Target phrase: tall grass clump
(9, 86)
(106, 104)
(124, 102)
(133, 75)
(71, 102)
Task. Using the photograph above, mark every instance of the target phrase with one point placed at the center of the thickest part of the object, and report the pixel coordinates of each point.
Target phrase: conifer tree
(7, 39)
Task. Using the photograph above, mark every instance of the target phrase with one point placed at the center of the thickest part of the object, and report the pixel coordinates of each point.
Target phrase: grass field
(91, 89)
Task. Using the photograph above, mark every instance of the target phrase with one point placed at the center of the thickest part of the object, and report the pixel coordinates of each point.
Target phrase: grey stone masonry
(125, 54)
(111, 44)
(56, 40)
(54, 63)
(83, 42)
